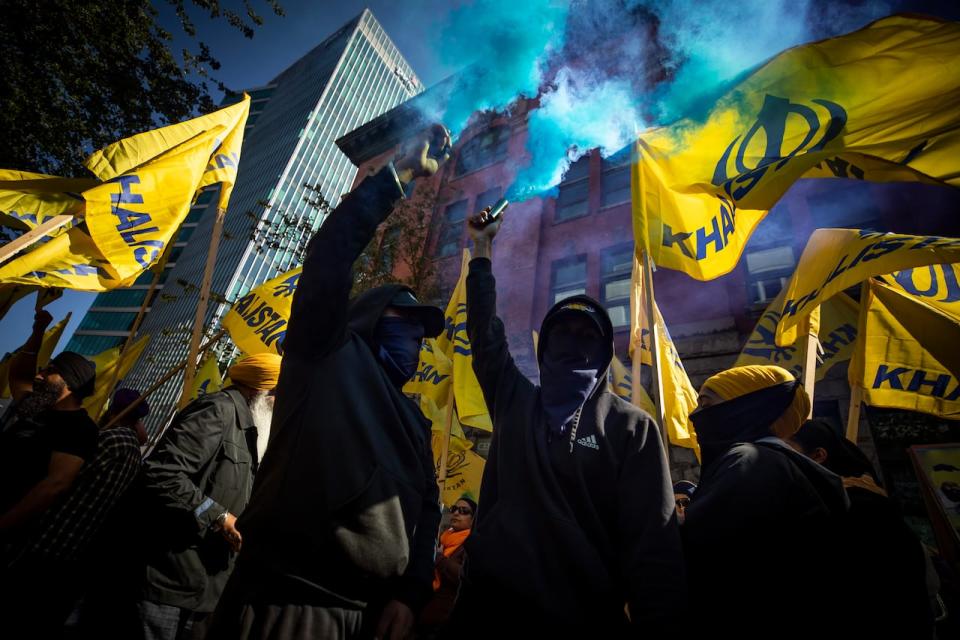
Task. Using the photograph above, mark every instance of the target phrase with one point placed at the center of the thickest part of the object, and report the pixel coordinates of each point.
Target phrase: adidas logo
(589, 441)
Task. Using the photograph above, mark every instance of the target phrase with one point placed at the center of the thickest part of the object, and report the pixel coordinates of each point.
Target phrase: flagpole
(159, 383)
(198, 318)
(34, 235)
(445, 449)
(810, 361)
(856, 381)
(655, 368)
(159, 267)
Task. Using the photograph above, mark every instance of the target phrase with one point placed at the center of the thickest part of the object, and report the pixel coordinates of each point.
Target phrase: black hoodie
(762, 535)
(345, 503)
(563, 539)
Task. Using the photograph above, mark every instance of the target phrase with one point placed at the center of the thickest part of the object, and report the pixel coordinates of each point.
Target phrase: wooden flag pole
(34, 235)
(159, 383)
(655, 368)
(856, 365)
(810, 361)
(198, 318)
(445, 449)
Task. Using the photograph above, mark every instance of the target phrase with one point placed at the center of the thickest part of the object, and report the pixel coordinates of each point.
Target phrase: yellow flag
(136, 151)
(5, 377)
(679, 396)
(935, 285)
(639, 327)
(835, 259)
(133, 216)
(454, 342)
(623, 387)
(432, 381)
(464, 469)
(257, 322)
(30, 199)
(897, 363)
(107, 362)
(207, 379)
(50, 339)
(837, 334)
(875, 104)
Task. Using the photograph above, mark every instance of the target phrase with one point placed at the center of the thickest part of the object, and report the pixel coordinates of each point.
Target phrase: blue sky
(252, 62)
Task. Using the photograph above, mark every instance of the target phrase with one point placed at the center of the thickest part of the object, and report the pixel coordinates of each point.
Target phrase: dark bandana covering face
(568, 375)
(399, 340)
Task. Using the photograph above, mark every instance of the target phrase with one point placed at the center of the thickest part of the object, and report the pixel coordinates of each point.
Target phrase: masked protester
(341, 528)
(886, 569)
(42, 452)
(196, 482)
(764, 518)
(577, 515)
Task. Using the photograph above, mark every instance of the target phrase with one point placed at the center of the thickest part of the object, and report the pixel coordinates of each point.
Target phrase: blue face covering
(399, 340)
(568, 375)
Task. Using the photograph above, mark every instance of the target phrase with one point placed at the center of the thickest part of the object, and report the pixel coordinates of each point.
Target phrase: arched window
(483, 150)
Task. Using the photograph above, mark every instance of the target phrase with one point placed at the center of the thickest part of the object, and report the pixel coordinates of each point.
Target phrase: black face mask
(568, 375)
(399, 340)
(744, 419)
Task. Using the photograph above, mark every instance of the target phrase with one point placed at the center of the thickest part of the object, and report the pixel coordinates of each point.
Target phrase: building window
(121, 298)
(174, 254)
(147, 277)
(205, 197)
(487, 199)
(768, 271)
(616, 186)
(569, 278)
(185, 234)
(93, 345)
(573, 201)
(483, 150)
(616, 266)
(451, 228)
(107, 321)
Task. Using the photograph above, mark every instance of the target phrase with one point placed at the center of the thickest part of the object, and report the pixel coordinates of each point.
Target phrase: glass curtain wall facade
(353, 76)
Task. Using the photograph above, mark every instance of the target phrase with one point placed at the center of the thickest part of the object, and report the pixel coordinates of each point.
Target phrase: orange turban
(740, 381)
(259, 371)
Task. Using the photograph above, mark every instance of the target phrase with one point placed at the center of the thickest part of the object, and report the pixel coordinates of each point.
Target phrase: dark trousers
(167, 622)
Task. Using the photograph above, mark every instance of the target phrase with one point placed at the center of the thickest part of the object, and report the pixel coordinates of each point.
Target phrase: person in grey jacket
(196, 483)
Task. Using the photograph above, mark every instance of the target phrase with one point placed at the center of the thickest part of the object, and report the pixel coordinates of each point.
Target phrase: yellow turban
(740, 381)
(259, 371)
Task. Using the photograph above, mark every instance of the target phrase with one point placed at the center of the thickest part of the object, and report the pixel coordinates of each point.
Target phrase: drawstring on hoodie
(574, 425)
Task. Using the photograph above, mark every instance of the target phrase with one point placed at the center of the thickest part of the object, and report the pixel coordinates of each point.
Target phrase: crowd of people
(302, 500)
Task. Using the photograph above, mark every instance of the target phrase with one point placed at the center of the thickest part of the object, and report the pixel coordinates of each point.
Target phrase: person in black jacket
(341, 528)
(577, 514)
(763, 532)
(884, 564)
(196, 482)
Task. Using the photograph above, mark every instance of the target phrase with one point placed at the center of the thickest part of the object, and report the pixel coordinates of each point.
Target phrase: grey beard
(262, 416)
(43, 397)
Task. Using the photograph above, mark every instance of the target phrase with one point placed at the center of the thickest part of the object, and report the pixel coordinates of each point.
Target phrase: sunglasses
(461, 510)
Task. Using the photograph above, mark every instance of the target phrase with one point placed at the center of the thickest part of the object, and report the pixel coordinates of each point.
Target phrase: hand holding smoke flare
(489, 215)
(422, 155)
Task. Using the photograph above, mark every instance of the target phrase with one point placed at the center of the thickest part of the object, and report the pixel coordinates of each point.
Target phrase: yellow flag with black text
(837, 335)
(835, 259)
(30, 199)
(899, 362)
(878, 104)
(51, 338)
(622, 385)
(112, 367)
(937, 285)
(464, 468)
(257, 322)
(432, 381)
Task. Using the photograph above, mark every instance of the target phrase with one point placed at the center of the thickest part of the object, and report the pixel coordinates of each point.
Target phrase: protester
(340, 532)
(197, 481)
(682, 493)
(578, 517)
(42, 451)
(446, 573)
(122, 399)
(763, 529)
(885, 560)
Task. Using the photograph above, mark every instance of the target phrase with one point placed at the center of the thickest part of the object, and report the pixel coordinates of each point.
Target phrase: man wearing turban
(197, 481)
(762, 530)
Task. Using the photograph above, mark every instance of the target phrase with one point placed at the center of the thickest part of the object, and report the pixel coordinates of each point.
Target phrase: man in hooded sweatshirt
(577, 517)
(339, 535)
(763, 531)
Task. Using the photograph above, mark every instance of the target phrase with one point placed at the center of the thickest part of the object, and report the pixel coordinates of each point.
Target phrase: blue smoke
(605, 69)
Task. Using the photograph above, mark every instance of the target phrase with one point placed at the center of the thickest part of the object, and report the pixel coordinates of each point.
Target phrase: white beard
(262, 416)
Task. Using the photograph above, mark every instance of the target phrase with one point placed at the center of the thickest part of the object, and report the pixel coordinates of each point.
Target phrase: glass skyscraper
(289, 158)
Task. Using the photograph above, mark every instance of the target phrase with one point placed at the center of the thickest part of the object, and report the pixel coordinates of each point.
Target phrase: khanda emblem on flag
(286, 288)
(456, 330)
(824, 121)
(764, 344)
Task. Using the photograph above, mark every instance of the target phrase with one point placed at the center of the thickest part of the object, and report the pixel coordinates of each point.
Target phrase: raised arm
(318, 317)
(492, 361)
(23, 365)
